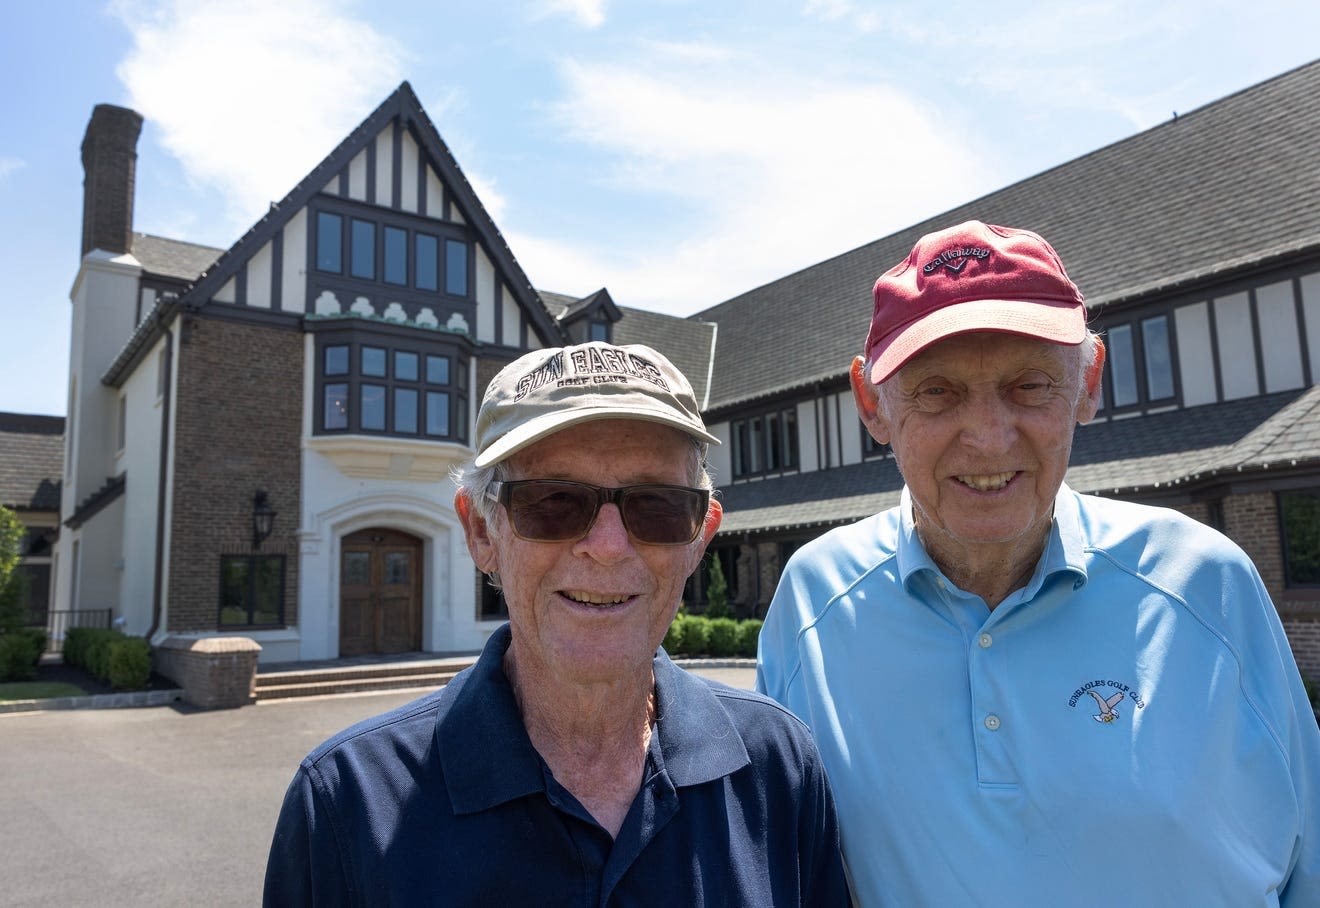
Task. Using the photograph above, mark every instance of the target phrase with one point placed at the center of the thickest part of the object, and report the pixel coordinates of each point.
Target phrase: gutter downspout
(158, 581)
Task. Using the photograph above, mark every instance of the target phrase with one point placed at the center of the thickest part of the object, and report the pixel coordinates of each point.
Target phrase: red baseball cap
(972, 277)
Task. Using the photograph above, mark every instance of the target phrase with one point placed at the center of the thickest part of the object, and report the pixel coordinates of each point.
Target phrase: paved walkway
(160, 805)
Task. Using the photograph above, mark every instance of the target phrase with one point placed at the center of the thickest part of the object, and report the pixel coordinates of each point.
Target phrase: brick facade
(1252, 521)
(238, 429)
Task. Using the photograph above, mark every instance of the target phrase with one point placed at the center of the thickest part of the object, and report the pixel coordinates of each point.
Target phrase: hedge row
(121, 661)
(698, 635)
(20, 651)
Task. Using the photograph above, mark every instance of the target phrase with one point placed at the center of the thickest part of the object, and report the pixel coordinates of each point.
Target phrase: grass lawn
(37, 690)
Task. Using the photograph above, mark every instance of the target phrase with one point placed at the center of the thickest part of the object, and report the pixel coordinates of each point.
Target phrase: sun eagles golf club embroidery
(1105, 696)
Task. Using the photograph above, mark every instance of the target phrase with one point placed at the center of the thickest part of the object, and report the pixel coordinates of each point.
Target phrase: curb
(743, 662)
(137, 698)
(96, 701)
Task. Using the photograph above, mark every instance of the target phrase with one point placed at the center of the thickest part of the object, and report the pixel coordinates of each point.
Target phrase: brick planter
(214, 672)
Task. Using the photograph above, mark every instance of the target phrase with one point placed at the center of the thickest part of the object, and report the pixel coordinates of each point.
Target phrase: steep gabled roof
(404, 106)
(31, 461)
(174, 259)
(1229, 186)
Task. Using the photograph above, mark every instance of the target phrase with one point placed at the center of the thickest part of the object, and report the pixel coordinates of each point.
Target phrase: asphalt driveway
(159, 806)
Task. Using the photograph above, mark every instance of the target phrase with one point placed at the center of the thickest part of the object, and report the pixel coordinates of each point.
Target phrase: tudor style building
(258, 439)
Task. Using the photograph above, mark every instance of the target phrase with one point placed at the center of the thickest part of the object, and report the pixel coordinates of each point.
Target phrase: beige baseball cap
(551, 389)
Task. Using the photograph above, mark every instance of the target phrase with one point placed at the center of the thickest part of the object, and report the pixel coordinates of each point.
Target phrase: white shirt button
(992, 722)
(984, 641)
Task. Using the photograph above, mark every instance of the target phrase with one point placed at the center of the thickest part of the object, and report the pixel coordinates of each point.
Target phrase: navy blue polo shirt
(445, 801)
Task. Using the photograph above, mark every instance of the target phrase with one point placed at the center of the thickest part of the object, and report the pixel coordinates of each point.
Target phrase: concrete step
(326, 681)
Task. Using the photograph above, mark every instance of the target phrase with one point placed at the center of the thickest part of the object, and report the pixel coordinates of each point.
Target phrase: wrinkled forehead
(989, 354)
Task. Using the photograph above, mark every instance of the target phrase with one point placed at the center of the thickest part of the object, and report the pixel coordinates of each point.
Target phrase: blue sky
(677, 152)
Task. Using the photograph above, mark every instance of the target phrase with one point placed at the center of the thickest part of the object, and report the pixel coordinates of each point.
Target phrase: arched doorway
(380, 592)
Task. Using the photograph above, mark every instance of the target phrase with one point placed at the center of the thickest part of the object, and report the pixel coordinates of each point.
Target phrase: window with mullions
(374, 388)
(375, 251)
(251, 591)
(1140, 364)
(766, 443)
(1299, 524)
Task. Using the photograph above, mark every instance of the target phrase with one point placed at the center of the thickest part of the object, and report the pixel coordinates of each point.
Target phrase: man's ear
(867, 397)
(477, 533)
(709, 525)
(714, 517)
(1094, 389)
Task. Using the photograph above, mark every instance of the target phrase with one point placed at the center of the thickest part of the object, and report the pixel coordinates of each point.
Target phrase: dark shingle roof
(689, 345)
(31, 461)
(173, 258)
(1232, 184)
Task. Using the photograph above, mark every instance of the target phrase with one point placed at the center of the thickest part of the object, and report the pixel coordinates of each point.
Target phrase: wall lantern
(263, 518)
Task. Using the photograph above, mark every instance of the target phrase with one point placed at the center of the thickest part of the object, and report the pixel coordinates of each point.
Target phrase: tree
(717, 590)
(11, 581)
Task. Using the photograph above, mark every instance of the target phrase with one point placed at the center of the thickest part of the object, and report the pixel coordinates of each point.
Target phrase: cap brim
(1056, 322)
(534, 430)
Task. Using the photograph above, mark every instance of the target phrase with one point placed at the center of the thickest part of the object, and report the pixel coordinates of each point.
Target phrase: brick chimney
(109, 155)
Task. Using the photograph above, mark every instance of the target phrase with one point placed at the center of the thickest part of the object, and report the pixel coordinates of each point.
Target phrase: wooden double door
(380, 593)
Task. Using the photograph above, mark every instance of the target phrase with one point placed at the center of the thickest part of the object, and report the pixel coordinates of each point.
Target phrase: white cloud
(588, 13)
(251, 95)
(783, 173)
(10, 165)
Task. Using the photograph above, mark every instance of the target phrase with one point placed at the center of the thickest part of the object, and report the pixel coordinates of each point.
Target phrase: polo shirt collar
(484, 750)
(488, 759)
(1064, 548)
(698, 740)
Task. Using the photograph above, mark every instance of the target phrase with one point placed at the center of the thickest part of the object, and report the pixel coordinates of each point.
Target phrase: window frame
(252, 559)
(1307, 587)
(349, 216)
(1136, 326)
(767, 443)
(349, 387)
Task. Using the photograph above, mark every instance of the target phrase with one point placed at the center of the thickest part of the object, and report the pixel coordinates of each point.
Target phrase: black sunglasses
(558, 510)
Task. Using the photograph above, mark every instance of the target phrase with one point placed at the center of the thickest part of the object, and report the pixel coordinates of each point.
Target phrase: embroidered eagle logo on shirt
(1107, 694)
(1107, 712)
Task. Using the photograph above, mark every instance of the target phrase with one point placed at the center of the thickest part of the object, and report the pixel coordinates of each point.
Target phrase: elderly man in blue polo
(1025, 696)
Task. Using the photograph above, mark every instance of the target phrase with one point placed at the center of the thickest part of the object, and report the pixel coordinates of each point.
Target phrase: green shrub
(128, 663)
(749, 632)
(723, 638)
(76, 642)
(19, 654)
(673, 642)
(123, 662)
(696, 635)
(701, 635)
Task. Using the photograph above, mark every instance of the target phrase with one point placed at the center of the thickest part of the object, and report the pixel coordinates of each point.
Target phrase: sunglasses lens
(551, 511)
(663, 515)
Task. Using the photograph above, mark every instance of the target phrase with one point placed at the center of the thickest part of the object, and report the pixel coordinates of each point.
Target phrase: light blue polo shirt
(1128, 729)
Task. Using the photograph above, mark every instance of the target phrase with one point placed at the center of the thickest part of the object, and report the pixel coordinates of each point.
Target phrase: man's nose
(988, 424)
(608, 537)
